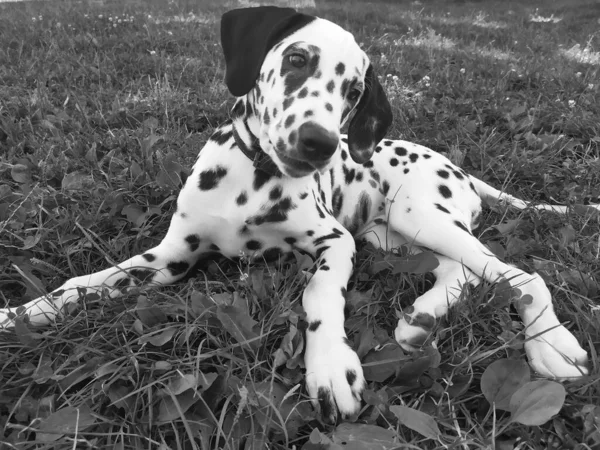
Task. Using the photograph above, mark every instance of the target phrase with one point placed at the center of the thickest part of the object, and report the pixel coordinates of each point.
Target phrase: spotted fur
(281, 176)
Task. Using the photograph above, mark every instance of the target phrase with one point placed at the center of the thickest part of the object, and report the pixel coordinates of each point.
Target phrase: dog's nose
(315, 143)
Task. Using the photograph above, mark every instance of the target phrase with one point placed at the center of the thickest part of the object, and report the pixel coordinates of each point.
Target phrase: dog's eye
(353, 95)
(297, 60)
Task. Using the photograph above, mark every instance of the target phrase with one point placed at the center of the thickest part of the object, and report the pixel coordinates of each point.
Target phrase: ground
(103, 107)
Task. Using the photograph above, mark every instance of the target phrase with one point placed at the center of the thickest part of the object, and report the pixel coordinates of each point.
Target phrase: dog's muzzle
(314, 148)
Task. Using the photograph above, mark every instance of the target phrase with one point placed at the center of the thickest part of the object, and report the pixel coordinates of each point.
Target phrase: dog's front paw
(334, 376)
(557, 354)
(413, 329)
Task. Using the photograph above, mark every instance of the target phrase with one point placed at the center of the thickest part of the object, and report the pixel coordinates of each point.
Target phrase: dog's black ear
(371, 121)
(247, 35)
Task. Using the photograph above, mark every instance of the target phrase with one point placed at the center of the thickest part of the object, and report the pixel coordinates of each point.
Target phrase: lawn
(103, 107)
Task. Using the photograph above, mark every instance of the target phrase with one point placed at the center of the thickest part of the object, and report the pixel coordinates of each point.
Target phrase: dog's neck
(245, 130)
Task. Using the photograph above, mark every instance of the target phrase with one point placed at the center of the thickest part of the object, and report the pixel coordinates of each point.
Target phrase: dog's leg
(333, 371)
(552, 350)
(417, 320)
(162, 265)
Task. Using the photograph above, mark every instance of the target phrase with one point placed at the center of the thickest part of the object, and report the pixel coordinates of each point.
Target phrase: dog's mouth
(298, 168)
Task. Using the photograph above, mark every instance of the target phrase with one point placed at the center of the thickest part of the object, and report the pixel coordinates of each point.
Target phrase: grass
(103, 108)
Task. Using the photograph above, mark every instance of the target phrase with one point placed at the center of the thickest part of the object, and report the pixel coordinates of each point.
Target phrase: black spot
(385, 187)
(472, 186)
(308, 113)
(193, 241)
(423, 320)
(290, 240)
(461, 226)
(330, 86)
(315, 93)
(401, 151)
(310, 233)
(408, 210)
(445, 191)
(443, 173)
(244, 230)
(364, 207)
(260, 178)
(359, 176)
(350, 376)
(271, 72)
(328, 107)
(275, 193)
(393, 162)
(278, 212)
(349, 174)
(458, 175)
(209, 179)
(288, 102)
(289, 120)
(303, 93)
(344, 155)
(368, 164)
(242, 199)
(314, 325)
(426, 156)
(303, 195)
(340, 68)
(375, 175)
(274, 112)
(324, 268)
(344, 88)
(337, 201)
(253, 245)
(149, 257)
(326, 403)
(221, 136)
(441, 208)
(320, 240)
(406, 170)
(320, 251)
(178, 268)
(266, 118)
(345, 140)
(214, 248)
(122, 283)
(413, 157)
(142, 276)
(272, 254)
(373, 184)
(378, 149)
(320, 211)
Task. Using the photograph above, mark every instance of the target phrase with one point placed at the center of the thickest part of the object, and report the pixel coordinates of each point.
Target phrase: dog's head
(303, 77)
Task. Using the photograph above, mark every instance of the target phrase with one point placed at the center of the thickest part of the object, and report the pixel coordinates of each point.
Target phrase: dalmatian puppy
(280, 176)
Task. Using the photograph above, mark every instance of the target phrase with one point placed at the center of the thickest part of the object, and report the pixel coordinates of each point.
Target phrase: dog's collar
(260, 160)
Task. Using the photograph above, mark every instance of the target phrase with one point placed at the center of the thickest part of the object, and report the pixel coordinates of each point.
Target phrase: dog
(280, 176)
